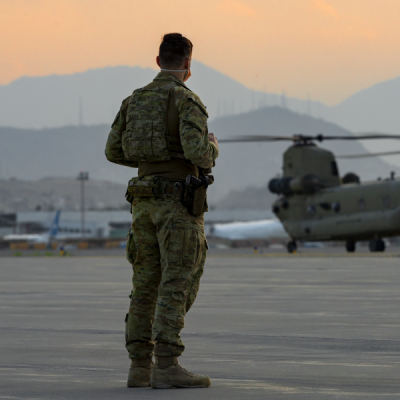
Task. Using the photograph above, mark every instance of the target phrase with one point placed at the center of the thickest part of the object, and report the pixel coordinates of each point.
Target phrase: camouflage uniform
(166, 245)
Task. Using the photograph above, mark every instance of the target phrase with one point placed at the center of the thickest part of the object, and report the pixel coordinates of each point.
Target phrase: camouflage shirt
(193, 131)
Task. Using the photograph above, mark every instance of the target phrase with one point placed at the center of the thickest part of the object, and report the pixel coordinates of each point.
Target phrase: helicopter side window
(311, 210)
(285, 205)
(336, 206)
(334, 169)
(325, 206)
(361, 204)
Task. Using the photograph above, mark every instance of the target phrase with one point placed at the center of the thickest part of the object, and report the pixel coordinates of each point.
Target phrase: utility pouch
(199, 199)
(139, 188)
(158, 187)
(130, 247)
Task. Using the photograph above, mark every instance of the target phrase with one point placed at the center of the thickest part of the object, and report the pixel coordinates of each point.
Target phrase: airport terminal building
(105, 224)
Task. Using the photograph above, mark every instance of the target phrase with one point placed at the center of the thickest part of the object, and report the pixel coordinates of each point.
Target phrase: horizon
(322, 49)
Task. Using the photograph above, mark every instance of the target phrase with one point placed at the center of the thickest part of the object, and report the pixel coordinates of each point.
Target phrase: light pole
(83, 176)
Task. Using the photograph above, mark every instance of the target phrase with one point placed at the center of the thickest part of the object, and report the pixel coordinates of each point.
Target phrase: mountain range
(93, 97)
(49, 194)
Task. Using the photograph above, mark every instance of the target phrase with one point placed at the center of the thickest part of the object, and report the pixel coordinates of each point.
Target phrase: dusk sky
(328, 49)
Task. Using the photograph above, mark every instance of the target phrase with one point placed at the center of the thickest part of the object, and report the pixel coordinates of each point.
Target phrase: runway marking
(253, 384)
(281, 255)
(335, 364)
(306, 255)
(20, 398)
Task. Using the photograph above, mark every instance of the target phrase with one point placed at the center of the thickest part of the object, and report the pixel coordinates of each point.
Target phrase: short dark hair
(174, 48)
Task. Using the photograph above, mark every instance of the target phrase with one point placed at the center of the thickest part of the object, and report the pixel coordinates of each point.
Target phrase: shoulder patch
(199, 103)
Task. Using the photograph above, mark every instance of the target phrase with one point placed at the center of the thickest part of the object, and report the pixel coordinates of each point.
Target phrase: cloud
(325, 8)
(238, 8)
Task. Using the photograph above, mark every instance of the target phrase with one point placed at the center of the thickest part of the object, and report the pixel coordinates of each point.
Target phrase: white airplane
(264, 229)
(36, 237)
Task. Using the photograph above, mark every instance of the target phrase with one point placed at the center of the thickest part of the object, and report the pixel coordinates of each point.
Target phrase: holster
(195, 193)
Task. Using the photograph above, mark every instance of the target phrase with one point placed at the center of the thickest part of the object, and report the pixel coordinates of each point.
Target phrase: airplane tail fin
(55, 225)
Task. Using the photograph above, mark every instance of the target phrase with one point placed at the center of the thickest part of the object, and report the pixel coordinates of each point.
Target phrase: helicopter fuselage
(316, 204)
(356, 211)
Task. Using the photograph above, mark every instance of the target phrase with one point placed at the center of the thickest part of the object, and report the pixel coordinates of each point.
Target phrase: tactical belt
(191, 193)
(158, 188)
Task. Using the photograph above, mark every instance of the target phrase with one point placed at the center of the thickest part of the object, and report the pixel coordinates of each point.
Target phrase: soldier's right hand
(213, 139)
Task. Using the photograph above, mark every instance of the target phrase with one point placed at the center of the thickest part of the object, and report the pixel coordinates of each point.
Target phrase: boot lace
(184, 370)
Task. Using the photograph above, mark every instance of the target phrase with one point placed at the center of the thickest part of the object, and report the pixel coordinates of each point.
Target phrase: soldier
(162, 130)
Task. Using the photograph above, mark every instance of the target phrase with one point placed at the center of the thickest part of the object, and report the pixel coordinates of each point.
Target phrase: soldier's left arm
(113, 150)
(193, 129)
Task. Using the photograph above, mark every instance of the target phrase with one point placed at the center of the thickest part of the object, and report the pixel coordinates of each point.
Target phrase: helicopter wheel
(376, 245)
(292, 246)
(350, 246)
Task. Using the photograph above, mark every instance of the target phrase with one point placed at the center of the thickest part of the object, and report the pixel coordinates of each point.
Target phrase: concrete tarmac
(262, 327)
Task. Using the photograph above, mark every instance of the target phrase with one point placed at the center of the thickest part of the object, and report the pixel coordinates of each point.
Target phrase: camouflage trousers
(167, 249)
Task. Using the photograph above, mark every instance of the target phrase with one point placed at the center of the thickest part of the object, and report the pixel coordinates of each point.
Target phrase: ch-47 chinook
(315, 204)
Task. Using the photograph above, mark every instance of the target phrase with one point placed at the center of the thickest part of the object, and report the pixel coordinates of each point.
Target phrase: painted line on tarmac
(307, 255)
(277, 388)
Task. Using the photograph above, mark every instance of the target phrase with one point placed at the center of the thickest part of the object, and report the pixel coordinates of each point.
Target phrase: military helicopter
(315, 204)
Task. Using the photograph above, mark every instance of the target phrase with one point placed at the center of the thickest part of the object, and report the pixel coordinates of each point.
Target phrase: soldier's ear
(187, 63)
(158, 61)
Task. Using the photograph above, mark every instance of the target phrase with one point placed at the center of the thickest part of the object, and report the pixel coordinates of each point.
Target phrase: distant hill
(28, 154)
(372, 109)
(60, 193)
(63, 152)
(54, 101)
(253, 198)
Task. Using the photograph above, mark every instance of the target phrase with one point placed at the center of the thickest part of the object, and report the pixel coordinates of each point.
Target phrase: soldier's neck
(179, 75)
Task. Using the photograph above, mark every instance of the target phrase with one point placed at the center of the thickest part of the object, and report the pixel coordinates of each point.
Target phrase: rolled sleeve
(194, 132)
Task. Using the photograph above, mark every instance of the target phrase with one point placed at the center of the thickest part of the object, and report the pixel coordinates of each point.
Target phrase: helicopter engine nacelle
(307, 184)
(280, 186)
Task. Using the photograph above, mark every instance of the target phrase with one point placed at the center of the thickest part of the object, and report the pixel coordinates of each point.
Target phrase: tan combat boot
(140, 372)
(168, 373)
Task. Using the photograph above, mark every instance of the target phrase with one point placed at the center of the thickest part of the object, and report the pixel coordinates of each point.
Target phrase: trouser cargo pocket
(130, 248)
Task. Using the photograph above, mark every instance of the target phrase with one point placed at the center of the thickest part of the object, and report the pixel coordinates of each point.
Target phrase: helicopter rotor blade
(307, 138)
(257, 138)
(364, 136)
(386, 153)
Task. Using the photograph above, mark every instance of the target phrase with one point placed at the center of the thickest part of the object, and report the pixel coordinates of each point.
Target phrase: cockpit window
(334, 169)
(311, 210)
(336, 206)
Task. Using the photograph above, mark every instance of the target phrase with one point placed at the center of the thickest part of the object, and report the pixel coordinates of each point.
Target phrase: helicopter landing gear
(377, 245)
(292, 246)
(351, 246)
